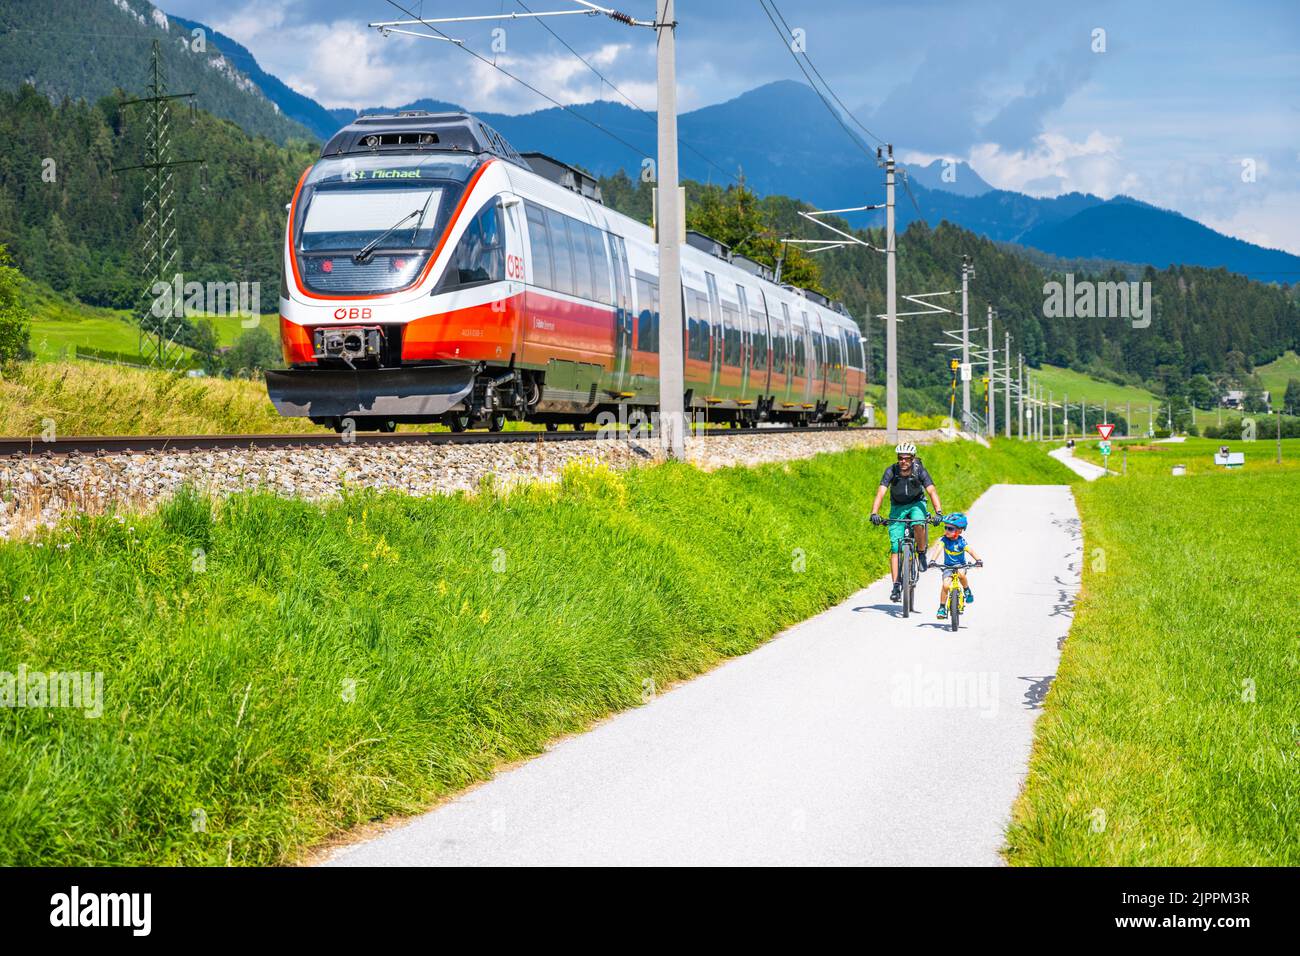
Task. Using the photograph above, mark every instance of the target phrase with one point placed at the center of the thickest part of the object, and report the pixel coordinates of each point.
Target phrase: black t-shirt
(906, 489)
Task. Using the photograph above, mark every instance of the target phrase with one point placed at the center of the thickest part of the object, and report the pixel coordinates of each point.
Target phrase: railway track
(150, 444)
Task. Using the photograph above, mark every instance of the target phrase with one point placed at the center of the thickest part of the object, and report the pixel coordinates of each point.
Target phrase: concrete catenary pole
(1065, 413)
(1006, 395)
(1020, 394)
(991, 428)
(672, 381)
(966, 270)
(1051, 421)
(891, 305)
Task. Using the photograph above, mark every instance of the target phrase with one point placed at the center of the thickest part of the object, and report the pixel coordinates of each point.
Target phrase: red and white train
(433, 274)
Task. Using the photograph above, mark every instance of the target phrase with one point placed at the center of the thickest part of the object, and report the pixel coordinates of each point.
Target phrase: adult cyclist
(908, 484)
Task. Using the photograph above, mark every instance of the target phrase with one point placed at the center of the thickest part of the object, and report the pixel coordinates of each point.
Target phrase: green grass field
(322, 667)
(60, 325)
(1077, 386)
(1157, 459)
(1171, 736)
(1277, 373)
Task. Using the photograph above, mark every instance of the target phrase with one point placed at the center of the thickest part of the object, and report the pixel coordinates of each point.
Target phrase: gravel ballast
(36, 491)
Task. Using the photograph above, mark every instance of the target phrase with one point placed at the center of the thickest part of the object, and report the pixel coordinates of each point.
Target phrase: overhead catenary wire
(522, 82)
(829, 89)
(786, 39)
(630, 102)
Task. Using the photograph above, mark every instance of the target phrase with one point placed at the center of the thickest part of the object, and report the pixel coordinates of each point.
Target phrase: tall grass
(1171, 735)
(280, 671)
(89, 398)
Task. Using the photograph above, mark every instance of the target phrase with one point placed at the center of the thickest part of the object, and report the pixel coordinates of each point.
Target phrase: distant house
(1236, 398)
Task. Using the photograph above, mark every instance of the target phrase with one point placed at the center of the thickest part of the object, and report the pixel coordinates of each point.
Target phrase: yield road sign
(1105, 430)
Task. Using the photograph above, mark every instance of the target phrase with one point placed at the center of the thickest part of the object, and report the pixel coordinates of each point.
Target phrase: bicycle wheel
(905, 562)
(954, 605)
(911, 581)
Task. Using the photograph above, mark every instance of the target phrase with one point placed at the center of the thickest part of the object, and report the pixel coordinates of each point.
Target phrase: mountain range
(778, 137)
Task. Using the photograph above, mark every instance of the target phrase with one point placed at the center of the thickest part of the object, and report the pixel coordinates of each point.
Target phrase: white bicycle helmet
(904, 448)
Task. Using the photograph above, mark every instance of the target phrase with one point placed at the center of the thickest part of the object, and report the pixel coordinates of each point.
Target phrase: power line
(522, 82)
(829, 90)
(628, 99)
(799, 63)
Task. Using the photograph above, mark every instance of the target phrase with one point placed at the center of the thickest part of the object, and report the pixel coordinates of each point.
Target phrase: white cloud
(1268, 221)
(1056, 165)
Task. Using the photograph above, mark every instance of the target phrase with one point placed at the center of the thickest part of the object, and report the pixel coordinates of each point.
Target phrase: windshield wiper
(368, 250)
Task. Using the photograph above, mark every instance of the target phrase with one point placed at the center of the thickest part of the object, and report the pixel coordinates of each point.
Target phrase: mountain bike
(909, 566)
(956, 593)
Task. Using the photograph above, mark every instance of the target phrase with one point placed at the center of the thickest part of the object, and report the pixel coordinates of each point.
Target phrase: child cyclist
(955, 549)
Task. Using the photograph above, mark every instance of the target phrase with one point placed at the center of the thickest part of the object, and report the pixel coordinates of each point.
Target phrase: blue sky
(1187, 99)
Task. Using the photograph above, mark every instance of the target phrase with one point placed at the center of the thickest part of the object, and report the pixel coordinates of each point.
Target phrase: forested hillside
(85, 49)
(78, 233)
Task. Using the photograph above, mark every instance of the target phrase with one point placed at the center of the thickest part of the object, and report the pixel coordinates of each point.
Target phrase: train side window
(697, 338)
(562, 253)
(581, 258)
(730, 334)
(759, 321)
(479, 256)
(647, 326)
(599, 265)
(622, 292)
(539, 244)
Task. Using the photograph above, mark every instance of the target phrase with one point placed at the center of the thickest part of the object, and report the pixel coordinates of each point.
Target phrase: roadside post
(1104, 429)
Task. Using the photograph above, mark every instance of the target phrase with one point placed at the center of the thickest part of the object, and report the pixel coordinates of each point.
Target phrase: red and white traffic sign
(1105, 430)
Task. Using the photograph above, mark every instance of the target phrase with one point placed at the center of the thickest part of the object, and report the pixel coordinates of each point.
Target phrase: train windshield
(367, 224)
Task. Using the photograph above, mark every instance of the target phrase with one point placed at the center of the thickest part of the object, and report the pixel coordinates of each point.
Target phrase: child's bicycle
(956, 593)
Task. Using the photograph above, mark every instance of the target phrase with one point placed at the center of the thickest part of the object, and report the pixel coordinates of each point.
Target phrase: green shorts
(916, 511)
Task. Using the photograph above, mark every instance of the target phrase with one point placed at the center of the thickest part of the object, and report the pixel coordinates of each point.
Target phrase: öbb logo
(352, 313)
(514, 267)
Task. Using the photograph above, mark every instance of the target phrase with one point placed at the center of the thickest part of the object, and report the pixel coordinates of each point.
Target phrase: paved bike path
(1084, 469)
(855, 737)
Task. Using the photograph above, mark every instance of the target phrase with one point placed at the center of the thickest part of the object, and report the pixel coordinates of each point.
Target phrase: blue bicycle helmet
(956, 519)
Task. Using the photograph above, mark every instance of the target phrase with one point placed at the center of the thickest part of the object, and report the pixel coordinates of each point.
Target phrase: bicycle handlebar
(959, 567)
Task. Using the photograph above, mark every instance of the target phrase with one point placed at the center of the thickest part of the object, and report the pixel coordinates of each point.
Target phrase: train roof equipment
(570, 177)
(413, 131)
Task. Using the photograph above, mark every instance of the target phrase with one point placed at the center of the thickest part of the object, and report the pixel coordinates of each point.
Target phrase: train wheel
(552, 426)
(458, 423)
(579, 426)
(386, 426)
(497, 422)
